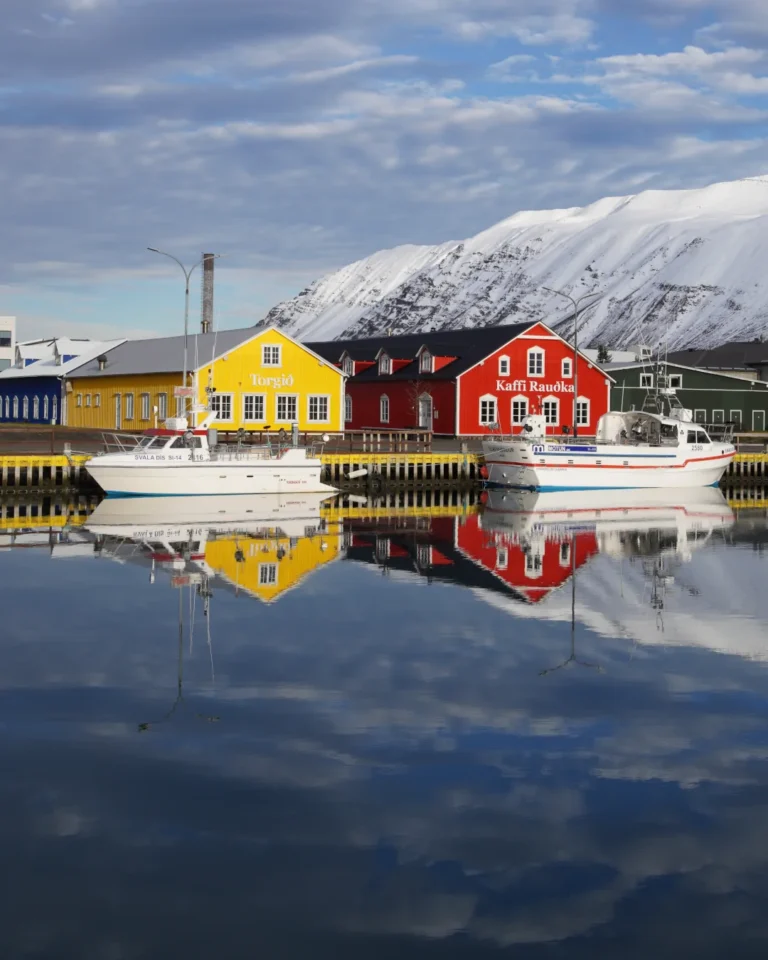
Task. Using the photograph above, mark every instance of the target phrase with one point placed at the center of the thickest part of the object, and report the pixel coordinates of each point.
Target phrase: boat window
(701, 437)
(691, 438)
(669, 431)
(193, 442)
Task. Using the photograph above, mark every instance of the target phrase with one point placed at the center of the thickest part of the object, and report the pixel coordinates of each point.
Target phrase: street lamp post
(577, 309)
(187, 275)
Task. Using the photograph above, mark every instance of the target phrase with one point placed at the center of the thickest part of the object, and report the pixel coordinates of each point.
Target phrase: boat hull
(539, 468)
(207, 478)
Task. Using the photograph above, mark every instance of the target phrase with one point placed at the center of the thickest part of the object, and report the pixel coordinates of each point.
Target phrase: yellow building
(255, 378)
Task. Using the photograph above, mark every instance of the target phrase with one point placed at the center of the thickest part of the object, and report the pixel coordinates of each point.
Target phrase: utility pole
(577, 309)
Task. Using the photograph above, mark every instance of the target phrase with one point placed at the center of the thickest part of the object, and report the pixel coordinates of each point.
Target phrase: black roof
(737, 355)
(468, 346)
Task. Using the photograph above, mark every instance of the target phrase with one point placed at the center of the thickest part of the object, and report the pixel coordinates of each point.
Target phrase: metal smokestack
(206, 307)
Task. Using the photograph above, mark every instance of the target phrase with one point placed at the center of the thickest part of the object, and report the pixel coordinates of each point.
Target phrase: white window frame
(385, 365)
(180, 401)
(534, 565)
(35, 408)
(718, 410)
(128, 410)
(286, 396)
(646, 380)
(696, 416)
(384, 408)
(162, 406)
(319, 396)
(488, 398)
(267, 574)
(504, 365)
(731, 419)
(502, 558)
(25, 407)
(532, 353)
(15, 408)
(426, 362)
(79, 400)
(55, 409)
(268, 356)
(254, 397)
(7, 408)
(230, 397)
(556, 401)
(347, 408)
(565, 553)
(520, 398)
(583, 401)
(87, 399)
(753, 417)
(569, 362)
(348, 366)
(45, 408)
(675, 376)
(97, 399)
(145, 406)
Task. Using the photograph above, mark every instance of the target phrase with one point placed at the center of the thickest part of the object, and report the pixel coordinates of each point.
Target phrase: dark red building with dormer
(461, 382)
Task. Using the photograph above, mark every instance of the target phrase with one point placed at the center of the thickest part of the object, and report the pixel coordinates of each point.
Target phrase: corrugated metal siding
(97, 406)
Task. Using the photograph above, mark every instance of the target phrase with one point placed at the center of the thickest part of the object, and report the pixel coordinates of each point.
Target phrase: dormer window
(385, 365)
(348, 366)
(425, 362)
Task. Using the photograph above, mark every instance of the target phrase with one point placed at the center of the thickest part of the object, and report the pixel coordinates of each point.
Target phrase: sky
(294, 137)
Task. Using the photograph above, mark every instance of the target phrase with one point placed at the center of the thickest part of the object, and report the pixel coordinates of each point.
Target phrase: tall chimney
(206, 309)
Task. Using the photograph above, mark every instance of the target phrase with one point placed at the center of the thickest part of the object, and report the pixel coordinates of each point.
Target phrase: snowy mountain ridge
(685, 267)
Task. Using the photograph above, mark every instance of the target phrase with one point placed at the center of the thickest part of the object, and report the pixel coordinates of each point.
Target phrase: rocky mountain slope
(688, 266)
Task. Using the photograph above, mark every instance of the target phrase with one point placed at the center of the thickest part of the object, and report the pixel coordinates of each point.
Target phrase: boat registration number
(539, 448)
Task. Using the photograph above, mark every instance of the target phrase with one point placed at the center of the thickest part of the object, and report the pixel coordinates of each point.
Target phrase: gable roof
(166, 354)
(47, 366)
(736, 355)
(710, 371)
(469, 346)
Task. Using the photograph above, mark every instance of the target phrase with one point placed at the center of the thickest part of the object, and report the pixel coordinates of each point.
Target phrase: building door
(425, 411)
(758, 421)
(718, 416)
(118, 411)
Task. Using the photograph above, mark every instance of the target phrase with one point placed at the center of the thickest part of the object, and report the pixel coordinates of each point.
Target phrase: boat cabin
(639, 427)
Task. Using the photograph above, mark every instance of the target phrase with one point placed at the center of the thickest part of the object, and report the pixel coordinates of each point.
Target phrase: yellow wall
(300, 373)
(102, 390)
(297, 561)
(239, 372)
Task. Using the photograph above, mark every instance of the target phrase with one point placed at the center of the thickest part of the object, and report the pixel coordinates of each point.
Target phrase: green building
(714, 397)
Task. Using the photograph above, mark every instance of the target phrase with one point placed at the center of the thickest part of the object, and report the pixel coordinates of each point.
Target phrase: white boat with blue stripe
(630, 450)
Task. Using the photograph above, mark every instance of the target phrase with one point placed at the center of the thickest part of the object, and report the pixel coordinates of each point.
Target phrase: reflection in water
(389, 777)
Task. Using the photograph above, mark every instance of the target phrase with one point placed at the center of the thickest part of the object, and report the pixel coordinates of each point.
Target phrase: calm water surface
(352, 735)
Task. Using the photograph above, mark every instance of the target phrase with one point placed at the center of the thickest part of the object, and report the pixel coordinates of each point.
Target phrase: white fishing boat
(630, 450)
(182, 460)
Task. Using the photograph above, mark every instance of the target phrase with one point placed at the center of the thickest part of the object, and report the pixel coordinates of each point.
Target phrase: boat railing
(236, 451)
(120, 442)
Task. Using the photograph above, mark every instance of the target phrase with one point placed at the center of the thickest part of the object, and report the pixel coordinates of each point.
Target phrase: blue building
(34, 389)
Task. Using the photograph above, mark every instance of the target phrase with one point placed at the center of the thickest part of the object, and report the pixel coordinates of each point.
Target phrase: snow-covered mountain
(685, 265)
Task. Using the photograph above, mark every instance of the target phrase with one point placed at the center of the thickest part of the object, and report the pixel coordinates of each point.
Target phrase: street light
(577, 309)
(187, 275)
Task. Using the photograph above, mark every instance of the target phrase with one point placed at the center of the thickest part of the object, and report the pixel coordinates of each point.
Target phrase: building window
(700, 416)
(565, 553)
(267, 574)
(532, 565)
(45, 409)
(5, 338)
(582, 412)
(25, 408)
(144, 400)
(55, 409)
(179, 406)
(519, 409)
(348, 366)
(733, 415)
(646, 380)
(550, 407)
(676, 381)
(270, 355)
(79, 400)
(384, 408)
(502, 558)
(385, 365)
(503, 366)
(488, 411)
(287, 407)
(254, 407)
(425, 362)
(15, 408)
(7, 407)
(36, 408)
(129, 406)
(221, 405)
(347, 409)
(162, 405)
(97, 399)
(535, 362)
(567, 368)
(318, 409)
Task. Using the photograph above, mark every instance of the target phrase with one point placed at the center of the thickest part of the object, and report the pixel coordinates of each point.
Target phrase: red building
(460, 382)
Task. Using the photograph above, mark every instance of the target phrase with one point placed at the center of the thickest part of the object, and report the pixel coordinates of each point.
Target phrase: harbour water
(302, 729)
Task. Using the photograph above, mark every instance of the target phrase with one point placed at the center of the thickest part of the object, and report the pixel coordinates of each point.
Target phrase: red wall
(402, 412)
(484, 379)
(482, 546)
